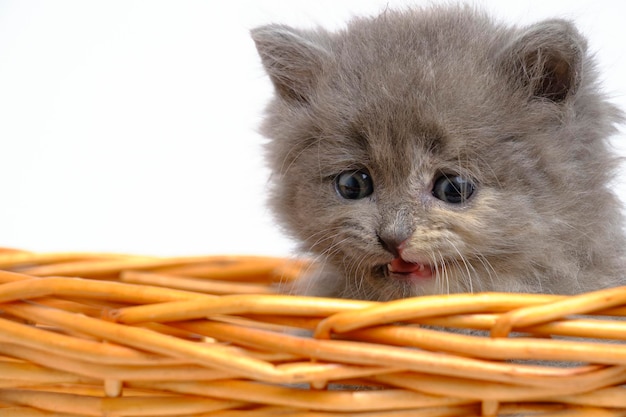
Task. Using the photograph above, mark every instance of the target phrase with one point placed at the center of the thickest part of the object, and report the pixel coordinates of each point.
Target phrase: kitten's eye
(453, 189)
(354, 185)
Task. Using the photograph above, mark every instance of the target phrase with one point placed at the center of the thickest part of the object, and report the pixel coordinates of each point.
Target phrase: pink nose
(393, 244)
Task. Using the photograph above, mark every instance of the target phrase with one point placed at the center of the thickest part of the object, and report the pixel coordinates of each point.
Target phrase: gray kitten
(434, 151)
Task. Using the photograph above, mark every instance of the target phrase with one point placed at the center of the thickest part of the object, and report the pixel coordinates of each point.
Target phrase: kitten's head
(431, 151)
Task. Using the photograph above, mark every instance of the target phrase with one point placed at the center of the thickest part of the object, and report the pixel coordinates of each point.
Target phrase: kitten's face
(419, 154)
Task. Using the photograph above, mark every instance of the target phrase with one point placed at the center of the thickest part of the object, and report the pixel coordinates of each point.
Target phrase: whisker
(466, 264)
(314, 141)
(446, 273)
(488, 269)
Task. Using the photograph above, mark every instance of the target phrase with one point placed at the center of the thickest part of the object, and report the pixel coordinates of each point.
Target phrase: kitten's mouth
(409, 270)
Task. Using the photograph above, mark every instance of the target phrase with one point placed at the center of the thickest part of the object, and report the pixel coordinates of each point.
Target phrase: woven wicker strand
(87, 334)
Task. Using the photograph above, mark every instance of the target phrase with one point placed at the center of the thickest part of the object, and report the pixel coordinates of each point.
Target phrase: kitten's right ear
(292, 58)
(546, 60)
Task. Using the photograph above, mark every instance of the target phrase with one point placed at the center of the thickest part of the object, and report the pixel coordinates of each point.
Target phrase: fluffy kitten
(436, 151)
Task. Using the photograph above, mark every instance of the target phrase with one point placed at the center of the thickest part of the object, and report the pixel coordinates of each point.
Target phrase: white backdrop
(130, 126)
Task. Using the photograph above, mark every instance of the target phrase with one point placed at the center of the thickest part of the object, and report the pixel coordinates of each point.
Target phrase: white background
(130, 126)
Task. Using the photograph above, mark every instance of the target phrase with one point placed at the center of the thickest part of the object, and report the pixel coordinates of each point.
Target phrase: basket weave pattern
(120, 336)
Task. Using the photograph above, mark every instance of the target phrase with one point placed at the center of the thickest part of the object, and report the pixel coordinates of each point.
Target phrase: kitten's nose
(393, 243)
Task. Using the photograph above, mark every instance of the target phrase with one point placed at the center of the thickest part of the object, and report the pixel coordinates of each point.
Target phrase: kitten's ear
(293, 59)
(547, 60)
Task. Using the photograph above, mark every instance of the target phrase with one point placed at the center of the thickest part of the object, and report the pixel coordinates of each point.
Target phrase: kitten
(434, 150)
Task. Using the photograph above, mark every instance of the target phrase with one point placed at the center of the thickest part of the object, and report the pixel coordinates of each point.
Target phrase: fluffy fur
(409, 96)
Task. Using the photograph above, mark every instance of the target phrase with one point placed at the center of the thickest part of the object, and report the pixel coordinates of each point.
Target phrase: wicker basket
(208, 336)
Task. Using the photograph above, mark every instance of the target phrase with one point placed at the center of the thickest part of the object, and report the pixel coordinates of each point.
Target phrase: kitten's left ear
(547, 60)
(292, 58)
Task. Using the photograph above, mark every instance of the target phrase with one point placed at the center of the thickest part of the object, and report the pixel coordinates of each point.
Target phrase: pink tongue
(400, 266)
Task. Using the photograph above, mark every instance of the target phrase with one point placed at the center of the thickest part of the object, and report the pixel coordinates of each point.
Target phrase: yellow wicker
(117, 335)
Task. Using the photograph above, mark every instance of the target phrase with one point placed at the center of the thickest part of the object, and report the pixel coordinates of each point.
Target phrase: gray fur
(411, 94)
